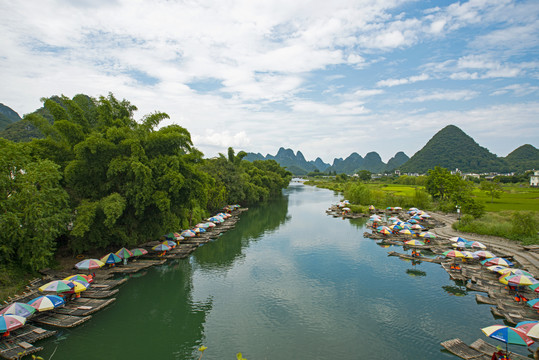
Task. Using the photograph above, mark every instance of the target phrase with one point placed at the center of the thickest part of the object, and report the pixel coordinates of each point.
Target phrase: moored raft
(59, 320)
(20, 341)
(99, 293)
(418, 258)
(478, 350)
(83, 306)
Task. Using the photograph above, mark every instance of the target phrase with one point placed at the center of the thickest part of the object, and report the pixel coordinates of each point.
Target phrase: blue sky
(327, 78)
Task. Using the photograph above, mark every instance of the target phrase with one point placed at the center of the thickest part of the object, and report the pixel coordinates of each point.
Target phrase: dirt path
(528, 259)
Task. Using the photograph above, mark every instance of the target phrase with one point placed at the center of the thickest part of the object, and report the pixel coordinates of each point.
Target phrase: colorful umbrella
(161, 247)
(80, 278)
(111, 258)
(414, 242)
(407, 232)
(89, 264)
(506, 271)
(19, 309)
(170, 243)
(453, 253)
(11, 322)
(57, 286)
(530, 328)
(417, 227)
(385, 231)
(496, 268)
(139, 251)
(427, 235)
(497, 261)
(518, 280)
(46, 302)
(458, 238)
(484, 254)
(468, 254)
(478, 245)
(534, 303)
(508, 335)
(534, 287)
(188, 233)
(124, 253)
(413, 221)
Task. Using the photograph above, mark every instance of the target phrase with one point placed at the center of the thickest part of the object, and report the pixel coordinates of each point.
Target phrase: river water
(288, 282)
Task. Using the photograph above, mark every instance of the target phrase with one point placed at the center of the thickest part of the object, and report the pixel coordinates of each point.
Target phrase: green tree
(364, 175)
(492, 188)
(33, 205)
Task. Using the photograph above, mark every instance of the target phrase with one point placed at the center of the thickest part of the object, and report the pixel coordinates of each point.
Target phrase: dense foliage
(525, 157)
(113, 181)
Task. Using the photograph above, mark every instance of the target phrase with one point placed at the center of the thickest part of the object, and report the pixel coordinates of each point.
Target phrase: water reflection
(253, 224)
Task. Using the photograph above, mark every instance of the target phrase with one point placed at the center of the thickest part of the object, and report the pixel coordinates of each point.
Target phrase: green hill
(7, 116)
(451, 148)
(525, 157)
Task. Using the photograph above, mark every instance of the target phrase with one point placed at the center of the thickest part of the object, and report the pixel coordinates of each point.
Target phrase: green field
(396, 189)
(513, 198)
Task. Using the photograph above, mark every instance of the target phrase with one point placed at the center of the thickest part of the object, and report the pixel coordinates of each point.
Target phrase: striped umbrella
(46, 302)
(534, 303)
(484, 254)
(468, 254)
(161, 247)
(414, 242)
(139, 251)
(407, 232)
(478, 245)
(124, 253)
(57, 286)
(11, 322)
(530, 328)
(453, 253)
(79, 277)
(497, 261)
(111, 258)
(19, 309)
(89, 264)
(518, 280)
(496, 268)
(508, 335)
(511, 271)
(457, 239)
(427, 235)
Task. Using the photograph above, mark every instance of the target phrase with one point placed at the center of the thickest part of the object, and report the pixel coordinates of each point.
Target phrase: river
(288, 282)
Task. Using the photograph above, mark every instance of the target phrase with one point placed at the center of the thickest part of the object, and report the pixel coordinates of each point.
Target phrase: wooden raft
(20, 341)
(418, 258)
(462, 350)
(135, 266)
(488, 349)
(83, 306)
(59, 320)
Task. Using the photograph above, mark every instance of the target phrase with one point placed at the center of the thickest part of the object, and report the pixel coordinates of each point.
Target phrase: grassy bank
(13, 281)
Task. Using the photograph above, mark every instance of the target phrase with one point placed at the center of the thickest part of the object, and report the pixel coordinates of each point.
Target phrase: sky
(327, 78)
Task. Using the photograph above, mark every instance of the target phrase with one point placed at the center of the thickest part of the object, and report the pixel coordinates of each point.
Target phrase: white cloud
(403, 81)
(443, 95)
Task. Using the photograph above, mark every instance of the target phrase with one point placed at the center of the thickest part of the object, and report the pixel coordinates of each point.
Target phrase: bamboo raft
(418, 258)
(20, 341)
(478, 350)
(135, 266)
(83, 306)
(59, 320)
(454, 274)
(97, 293)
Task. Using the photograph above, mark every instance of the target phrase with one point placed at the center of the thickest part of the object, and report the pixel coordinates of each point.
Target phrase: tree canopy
(114, 181)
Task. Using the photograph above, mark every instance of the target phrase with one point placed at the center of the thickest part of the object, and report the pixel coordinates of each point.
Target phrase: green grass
(396, 189)
(513, 198)
(13, 281)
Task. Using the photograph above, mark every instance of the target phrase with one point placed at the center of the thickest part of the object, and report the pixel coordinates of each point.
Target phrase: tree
(34, 207)
(364, 175)
(492, 188)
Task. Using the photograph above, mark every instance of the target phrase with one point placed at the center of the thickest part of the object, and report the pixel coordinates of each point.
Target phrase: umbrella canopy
(418, 227)
(80, 278)
(478, 245)
(427, 235)
(11, 322)
(89, 264)
(188, 233)
(510, 271)
(413, 221)
(111, 258)
(534, 303)
(458, 238)
(139, 251)
(468, 254)
(530, 328)
(161, 247)
(210, 225)
(19, 309)
(170, 243)
(371, 207)
(508, 335)
(46, 302)
(123, 253)
(57, 286)
(462, 244)
(497, 261)
(534, 287)
(414, 242)
(385, 231)
(407, 232)
(453, 253)
(496, 268)
(484, 254)
(518, 280)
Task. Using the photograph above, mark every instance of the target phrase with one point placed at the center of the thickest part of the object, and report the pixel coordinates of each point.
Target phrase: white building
(534, 179)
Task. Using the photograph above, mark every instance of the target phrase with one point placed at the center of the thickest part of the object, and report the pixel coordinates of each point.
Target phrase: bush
(524, 223)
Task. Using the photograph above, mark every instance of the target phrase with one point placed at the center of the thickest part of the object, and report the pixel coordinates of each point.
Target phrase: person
(498, 355)
(6, 334)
